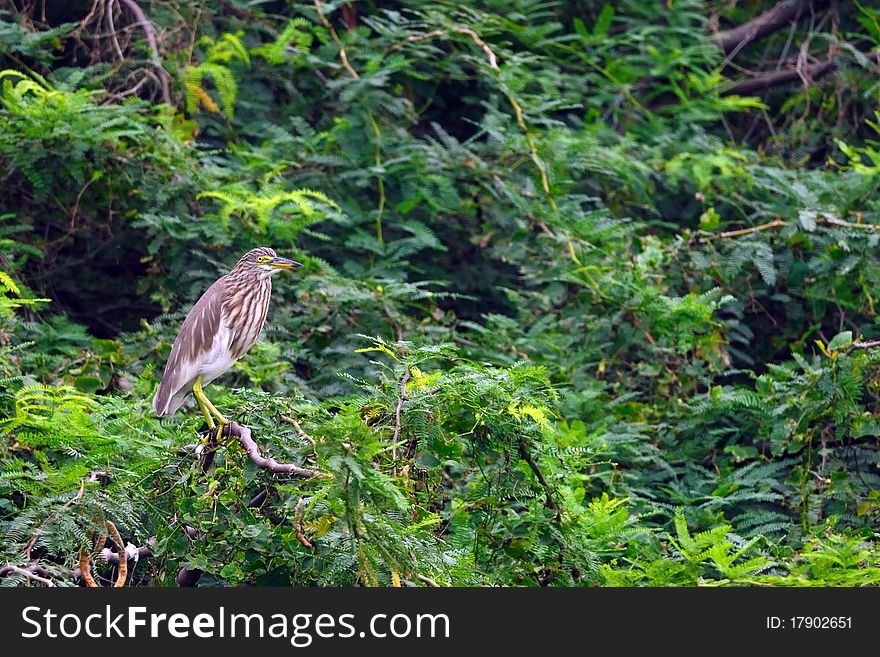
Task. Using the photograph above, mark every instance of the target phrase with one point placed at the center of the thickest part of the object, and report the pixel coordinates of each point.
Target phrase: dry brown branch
(743, 231)
(299, 430)
(774, 19)
(821, 219)
(150, 34)
(397, 412)
(342, 54)
(427, 580)
(527, 457)
(243, 434)
(417, 37)
(848, 224)
(122, 574)
(493, 61)
(32, 572)
(865, 345)
(298, 527)
(805, 74)
(85, 569)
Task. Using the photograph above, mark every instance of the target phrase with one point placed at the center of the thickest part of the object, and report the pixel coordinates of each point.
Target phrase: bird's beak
(284, 263)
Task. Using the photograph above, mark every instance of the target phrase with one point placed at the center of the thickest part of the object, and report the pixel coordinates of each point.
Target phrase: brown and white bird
(221, 328)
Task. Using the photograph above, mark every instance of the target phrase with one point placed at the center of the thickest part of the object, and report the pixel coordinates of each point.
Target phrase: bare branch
(243, 434)
(297, 525)
(764, 81)
(527, 457)
(805, 74)
(865, 345)
(122, 573)
(342, 54)
(776, 223)
(397, 412)
(32, 572)
(743, 231)
(427, 580)
(300, 431)
(150, 33)
(777, 17)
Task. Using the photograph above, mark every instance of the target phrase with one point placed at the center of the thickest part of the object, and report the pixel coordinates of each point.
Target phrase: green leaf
(603, 22)
(840, 341)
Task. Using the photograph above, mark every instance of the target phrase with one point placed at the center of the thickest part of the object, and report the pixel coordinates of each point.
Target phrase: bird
(221, 328)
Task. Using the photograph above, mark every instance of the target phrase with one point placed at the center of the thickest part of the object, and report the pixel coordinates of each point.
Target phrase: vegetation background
(590, 292)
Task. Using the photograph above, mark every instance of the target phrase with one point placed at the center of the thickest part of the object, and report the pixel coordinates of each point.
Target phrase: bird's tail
(162, 400)
(169, 396)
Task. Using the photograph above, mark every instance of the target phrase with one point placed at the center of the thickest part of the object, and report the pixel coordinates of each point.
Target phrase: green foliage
(621, 316)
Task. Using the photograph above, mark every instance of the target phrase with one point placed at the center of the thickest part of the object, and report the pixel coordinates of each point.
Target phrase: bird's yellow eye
(263, 258)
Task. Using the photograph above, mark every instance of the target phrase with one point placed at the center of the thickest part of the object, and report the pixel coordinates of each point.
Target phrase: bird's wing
(192, 345)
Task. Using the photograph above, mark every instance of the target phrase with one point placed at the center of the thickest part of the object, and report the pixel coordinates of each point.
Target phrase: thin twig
(865, 345)
(427, 580)
(743, 231)
(407, 375)
(834, 221)
(527, 457)
(822, 219)
(417, 37)
(342, 55)
(300, 432)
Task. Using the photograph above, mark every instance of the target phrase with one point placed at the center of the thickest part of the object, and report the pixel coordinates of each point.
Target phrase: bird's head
(264, 262)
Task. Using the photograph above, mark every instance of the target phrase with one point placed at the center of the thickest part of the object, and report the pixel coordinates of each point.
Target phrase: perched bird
(221, 328)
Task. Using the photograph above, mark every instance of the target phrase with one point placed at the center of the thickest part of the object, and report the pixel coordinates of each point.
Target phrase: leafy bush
(584, 302)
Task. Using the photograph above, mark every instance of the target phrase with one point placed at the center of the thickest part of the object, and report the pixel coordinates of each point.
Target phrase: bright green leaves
(219, 54)
(286, 213)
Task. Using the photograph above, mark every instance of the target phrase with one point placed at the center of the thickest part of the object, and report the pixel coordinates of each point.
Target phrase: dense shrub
(582, 304)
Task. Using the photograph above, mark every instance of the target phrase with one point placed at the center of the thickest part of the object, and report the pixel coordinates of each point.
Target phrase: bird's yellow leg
(208, 408)
(199, 394)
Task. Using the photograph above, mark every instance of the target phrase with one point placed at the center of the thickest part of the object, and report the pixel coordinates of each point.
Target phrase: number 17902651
(809, 623)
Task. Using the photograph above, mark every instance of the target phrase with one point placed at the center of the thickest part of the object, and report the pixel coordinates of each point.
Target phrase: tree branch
(527, 457)
(427, 580)
(783, 13)
(743, 231)
(777, 223)
(32, 572)
(407, 375)
(139, 553)
(150, 33)
(122, 573)
(298, 526)
(764, 81)
(865, 345)
(243, 434)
